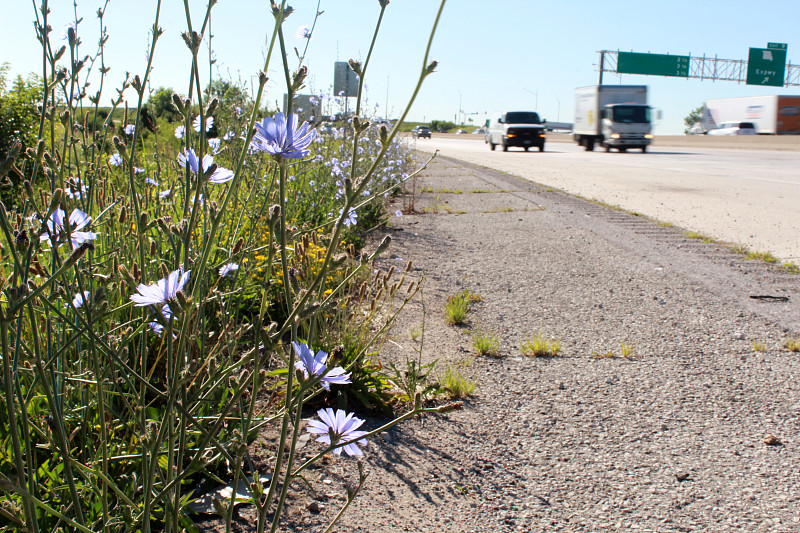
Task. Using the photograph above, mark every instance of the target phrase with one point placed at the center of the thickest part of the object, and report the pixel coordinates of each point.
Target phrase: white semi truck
(771, 115)
(613, 116)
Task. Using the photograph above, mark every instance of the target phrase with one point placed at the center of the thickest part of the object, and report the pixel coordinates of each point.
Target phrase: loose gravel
(696, 430)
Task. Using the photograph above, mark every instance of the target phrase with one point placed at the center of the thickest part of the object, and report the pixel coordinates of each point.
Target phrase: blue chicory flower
(115, 159)
(303, 32)
(314, 365)
(280, 137)
(129, 129)
(77, 221)
(220, 174)
(351, 219)
(180, 131)
(336, 427)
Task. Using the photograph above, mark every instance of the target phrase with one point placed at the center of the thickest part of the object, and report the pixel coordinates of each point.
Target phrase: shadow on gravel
(408, 453)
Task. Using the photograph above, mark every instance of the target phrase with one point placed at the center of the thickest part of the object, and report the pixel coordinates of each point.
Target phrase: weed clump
(457, 307)
(540, 346)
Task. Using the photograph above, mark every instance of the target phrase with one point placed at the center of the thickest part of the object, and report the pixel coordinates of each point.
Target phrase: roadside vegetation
(180, 272)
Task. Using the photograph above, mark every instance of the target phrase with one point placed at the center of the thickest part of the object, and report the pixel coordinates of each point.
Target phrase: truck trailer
(771, 115)
(613, 116)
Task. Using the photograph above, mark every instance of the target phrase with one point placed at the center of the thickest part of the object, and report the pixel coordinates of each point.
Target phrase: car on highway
(461, 132)
(734, 128)
(421, 132)
(517, 128)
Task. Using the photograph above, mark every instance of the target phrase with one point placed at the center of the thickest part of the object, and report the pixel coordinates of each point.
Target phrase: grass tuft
(454, 381)
(540, 346)
(457, 307)
(792, 344)
(485, 342)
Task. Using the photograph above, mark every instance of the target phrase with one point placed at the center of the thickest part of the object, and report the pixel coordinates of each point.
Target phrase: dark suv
(420, 132)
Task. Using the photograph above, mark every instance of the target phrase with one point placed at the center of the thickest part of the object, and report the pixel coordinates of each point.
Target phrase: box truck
(771, 115)
(613, 116)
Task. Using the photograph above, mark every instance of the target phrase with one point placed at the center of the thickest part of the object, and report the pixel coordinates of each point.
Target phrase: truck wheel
(622, 149)
(492, 145)
(505, 147)
(590, 145)
(541, 148)
(644, 149)
(607, 147)
(526, 148)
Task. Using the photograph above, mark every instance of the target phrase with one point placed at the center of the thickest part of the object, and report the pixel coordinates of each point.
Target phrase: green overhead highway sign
(767, 66)
(653, 64)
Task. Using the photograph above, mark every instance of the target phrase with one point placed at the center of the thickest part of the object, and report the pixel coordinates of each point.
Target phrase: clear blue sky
(493, 55)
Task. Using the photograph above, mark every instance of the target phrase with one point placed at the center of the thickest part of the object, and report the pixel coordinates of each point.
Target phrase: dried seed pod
(393, 289)
(238, 246)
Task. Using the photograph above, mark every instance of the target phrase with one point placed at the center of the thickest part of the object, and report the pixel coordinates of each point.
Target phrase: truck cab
(625, 126)
(613, 116)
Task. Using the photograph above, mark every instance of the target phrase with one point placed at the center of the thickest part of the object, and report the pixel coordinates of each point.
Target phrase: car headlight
(509, 135)
(615, 135)
(648, 136)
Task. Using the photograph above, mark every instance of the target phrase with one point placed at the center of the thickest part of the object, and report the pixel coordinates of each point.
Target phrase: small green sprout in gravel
(540, 346)
(457, 307)
(485, 342)
(455, 383)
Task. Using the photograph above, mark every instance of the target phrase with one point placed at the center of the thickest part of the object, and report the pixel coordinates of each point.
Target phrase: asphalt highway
(731, 191)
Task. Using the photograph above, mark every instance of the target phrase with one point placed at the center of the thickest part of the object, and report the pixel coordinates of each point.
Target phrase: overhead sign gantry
(765, 66)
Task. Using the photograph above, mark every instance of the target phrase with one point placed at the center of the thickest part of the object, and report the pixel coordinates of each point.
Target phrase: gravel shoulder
(670, 439)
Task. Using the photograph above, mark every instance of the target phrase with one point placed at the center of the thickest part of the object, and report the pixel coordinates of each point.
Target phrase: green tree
(446, 125)
(18, 115)
(229, 94)
(693, 118)
(19, 121)
(161, 104)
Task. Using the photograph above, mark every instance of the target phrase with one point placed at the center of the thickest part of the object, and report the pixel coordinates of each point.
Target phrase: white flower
(180, 131)
(161, 292)
(229, 268)
(129, 129)
(196, 123)
(115, 159)
(79, 299)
